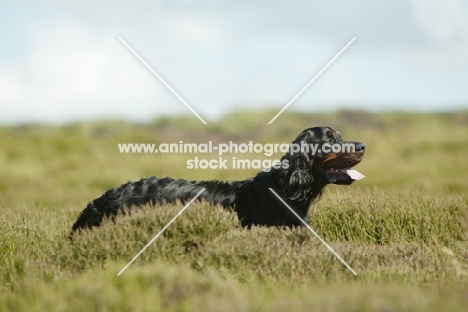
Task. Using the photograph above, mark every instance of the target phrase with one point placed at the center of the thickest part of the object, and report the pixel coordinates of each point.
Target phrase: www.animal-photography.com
(234, 156)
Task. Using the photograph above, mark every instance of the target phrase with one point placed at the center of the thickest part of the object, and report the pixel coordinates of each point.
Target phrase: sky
(62, 61)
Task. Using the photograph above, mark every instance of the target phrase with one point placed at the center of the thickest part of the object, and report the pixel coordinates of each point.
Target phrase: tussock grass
(403, 228)
(169, 287)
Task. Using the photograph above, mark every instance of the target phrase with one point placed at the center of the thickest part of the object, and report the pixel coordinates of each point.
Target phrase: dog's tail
(109, 204)
(119, 199)
(153, 191)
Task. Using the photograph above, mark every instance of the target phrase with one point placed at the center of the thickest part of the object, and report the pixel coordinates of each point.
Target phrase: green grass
(404, 228)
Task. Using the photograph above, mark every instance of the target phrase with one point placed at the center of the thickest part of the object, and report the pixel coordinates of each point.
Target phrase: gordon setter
(299, 183)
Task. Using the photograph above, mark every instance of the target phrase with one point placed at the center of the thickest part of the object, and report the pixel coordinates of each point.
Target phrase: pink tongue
(355, 175)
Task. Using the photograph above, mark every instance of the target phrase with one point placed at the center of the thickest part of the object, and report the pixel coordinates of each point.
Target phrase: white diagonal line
(160, 232)
(162, 80)
(313, 232)
(310, 82)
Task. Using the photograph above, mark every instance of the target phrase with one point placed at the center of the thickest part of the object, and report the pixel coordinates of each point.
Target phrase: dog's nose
(361, 147)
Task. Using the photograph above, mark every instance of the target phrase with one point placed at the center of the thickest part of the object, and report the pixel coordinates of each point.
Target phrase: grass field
(403, 229)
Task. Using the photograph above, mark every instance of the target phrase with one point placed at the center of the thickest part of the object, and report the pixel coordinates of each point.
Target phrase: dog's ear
(295, 180)
(305, 136)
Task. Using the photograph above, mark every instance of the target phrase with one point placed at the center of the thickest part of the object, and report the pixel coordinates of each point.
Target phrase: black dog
(302, 182)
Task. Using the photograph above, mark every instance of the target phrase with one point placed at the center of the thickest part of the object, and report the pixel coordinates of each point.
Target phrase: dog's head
(320, 155)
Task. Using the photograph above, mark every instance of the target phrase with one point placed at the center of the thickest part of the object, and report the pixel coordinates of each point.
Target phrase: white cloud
(445, 23)
(73, 70)
(69, 73)
(221, 54)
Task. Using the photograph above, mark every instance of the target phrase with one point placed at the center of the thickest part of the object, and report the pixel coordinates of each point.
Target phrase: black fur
(299, 185)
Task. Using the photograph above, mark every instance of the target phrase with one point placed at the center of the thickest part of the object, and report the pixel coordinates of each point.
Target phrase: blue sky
(61, 61)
